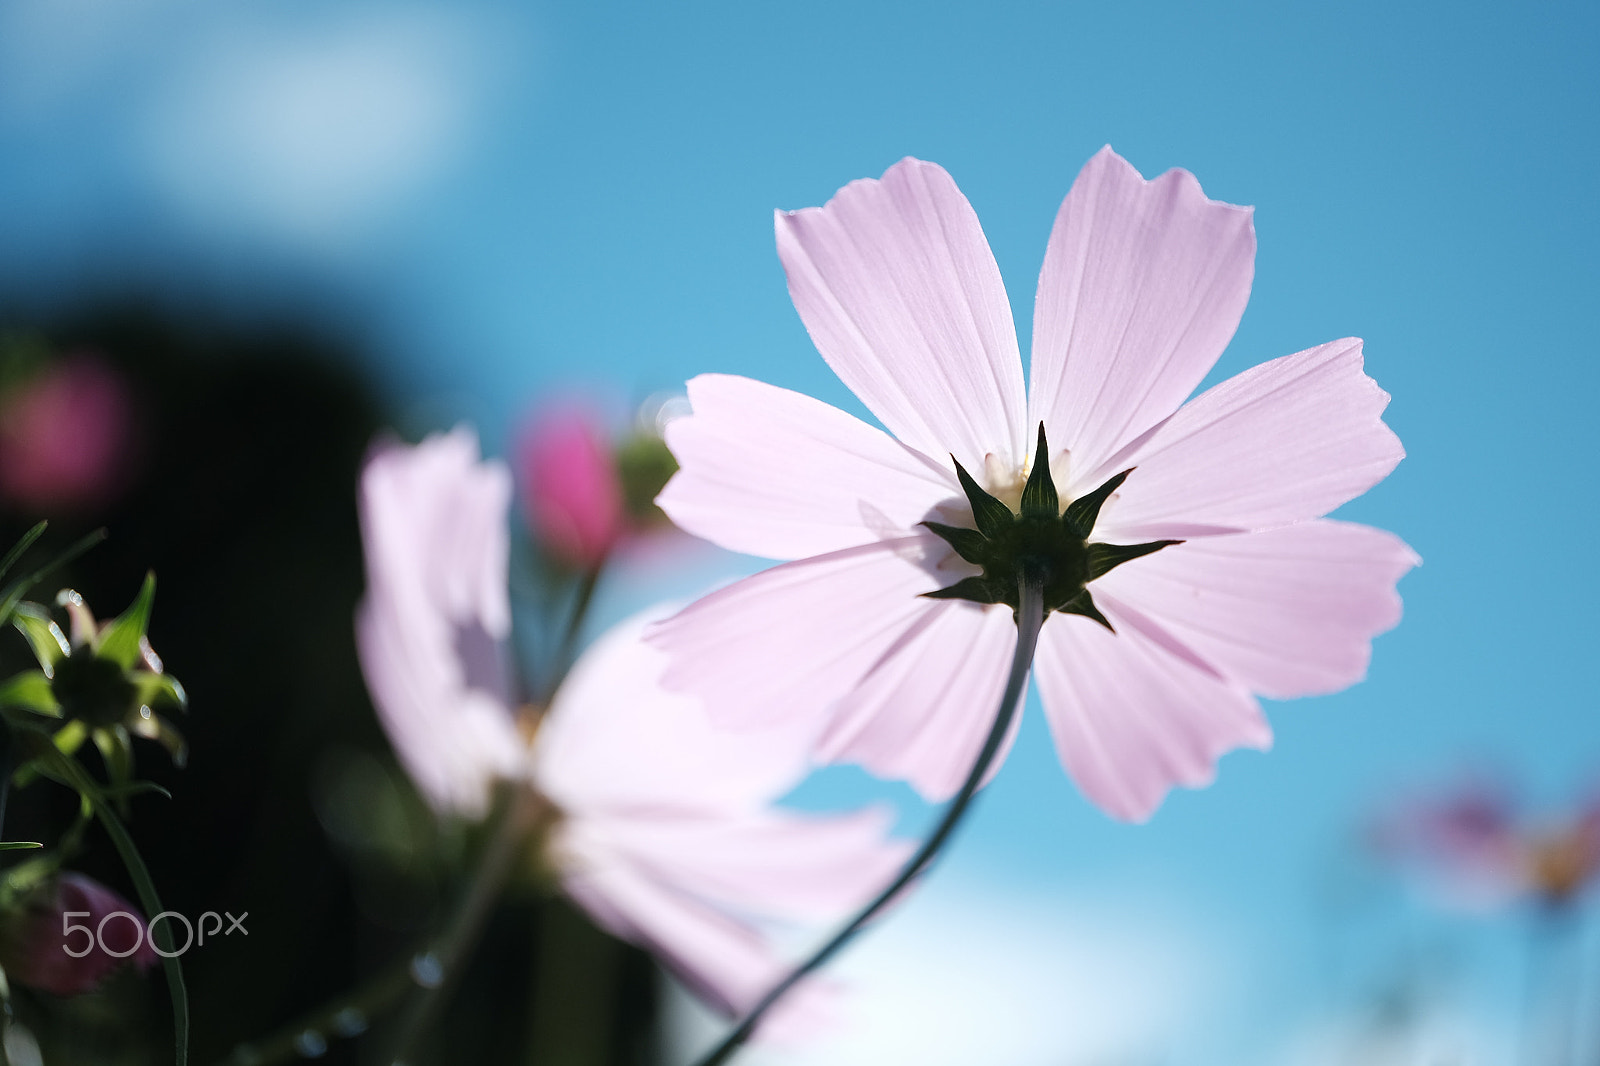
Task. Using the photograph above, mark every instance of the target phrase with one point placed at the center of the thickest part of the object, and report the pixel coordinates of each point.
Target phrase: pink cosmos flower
(64, 435)
(38, 950)
(573, 496)
(1142, 287)
(664, 831)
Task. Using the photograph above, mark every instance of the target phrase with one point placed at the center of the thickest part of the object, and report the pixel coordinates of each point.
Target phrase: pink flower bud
(71, 935)
(64, 435)
(571, 494)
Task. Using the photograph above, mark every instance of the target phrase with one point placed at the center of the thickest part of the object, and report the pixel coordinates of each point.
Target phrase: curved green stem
(1030, 618)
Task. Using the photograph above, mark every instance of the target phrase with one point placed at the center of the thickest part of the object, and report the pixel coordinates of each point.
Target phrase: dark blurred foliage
(239, 494)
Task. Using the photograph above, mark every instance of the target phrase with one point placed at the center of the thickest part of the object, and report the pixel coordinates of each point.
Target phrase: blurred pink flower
(571, 492)
(64, 435)
(1476, 849)
(38, 950)
(1142, 287)
(664, 831)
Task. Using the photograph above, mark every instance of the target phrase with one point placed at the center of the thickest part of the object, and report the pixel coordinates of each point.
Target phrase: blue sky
(507, 199)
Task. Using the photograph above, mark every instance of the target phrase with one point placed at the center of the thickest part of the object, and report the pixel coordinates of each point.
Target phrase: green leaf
(1083, 512)
(49, 643)
(119, 641)
(14, 592)
(22, 545)
(968, 543)
(18, 845)
(31, 691)
(69, 772)
(1104, 558)
(1039, 497)
(990, 515)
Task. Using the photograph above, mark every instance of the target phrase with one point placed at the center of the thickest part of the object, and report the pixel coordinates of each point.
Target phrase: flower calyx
(1045, 543)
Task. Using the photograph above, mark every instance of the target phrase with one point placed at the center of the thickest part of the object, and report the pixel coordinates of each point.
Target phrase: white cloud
(315, 132)
(987, 974)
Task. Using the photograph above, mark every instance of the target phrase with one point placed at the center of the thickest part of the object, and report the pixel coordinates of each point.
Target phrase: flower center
(1039, 541)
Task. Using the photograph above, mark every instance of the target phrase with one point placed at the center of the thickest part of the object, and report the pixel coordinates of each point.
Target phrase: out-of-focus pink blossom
(1143, 285)
(38, 949)
(1476, 849)
(664, 830)
(64, 435)
(571, 492)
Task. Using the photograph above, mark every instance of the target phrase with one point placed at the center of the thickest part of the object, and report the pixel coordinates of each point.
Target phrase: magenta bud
(571, 493)
(71, 935)
(64, 435)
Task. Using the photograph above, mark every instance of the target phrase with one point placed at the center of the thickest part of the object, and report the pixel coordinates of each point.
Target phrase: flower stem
(1030, 618)
(569, 638)
(435, 972)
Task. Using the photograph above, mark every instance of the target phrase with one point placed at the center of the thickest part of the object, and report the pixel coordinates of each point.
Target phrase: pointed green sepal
(49, 643)
(968, 543)
(990, 515)
(975, 589)
(30, 690)
(1104, 558)
(1082, 513)
(120, 640)
(1083, 604)
(1039, 497)
(157, 690)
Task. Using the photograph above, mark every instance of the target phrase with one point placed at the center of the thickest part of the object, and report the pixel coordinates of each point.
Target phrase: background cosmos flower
(1142, 287)
(664, 831)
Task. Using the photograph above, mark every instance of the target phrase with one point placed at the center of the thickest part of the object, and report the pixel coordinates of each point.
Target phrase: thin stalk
(569, 639)
(437, 971)
(1030, 618)
(347, 1017)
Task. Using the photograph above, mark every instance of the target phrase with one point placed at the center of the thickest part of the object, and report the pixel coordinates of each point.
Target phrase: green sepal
(976, 589)
(1039, 497)
(1083, 604)
(156, 690)
(968, 543)
(1104, 558)
(119, 641)
(116, 750)
(161, 731)
(1082, 513)
(49, 643)
(31, 691)
(990, 515)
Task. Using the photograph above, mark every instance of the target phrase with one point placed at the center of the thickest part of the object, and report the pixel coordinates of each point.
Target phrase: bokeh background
(290, 224)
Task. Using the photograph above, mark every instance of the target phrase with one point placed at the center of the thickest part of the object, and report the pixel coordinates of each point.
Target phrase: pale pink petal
(1133, 716)
(726, 962)
(615, 740)
(1288, 612)
(775, 473)
(901, 295)
(922, 713)
(1282, 442)
(1142, 287)
(431, 627)
(787, 644)
(778, 864)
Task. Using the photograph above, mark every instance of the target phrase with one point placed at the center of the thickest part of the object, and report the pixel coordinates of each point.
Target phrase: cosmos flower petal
(615, 741)
(1282, 442)
(896, 284)
(786, 644)
(1288, 612)
(726, 962)
(922, 713)
(430, 629)
(790, 865)
(775, 473)
(1143, 285)
(1133, 714)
